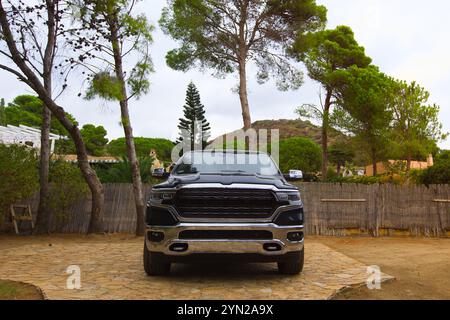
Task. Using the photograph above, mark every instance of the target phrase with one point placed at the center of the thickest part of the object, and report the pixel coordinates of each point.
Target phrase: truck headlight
(289, 196)
(163, 196)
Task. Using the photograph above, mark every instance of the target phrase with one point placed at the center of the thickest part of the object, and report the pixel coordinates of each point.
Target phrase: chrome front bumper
(171, 236)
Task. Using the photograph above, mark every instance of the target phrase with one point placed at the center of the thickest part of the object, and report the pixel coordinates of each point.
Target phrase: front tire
(154, 265)
(294, 265)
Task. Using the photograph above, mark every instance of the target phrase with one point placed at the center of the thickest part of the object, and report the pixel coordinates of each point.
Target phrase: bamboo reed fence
(330, 209)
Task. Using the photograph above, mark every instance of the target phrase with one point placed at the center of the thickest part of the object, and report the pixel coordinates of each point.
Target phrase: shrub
(332, 174)
(437, 174)
(300, 153)
(121, 172)
(67, 185)
(163, 147)
(18, 174)
(414, 176)
(356, 179)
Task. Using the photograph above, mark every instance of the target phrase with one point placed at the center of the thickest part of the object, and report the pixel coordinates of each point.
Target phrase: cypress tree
(194, 111)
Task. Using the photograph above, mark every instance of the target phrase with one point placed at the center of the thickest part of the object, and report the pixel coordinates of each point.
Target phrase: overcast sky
(407, 39)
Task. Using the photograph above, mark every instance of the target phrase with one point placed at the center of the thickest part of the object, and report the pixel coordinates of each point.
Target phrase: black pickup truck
(224, 205)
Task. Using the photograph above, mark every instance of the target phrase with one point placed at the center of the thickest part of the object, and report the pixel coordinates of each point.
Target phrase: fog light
(178, 247)
(155, 236)
(295, 236)
(272, 247)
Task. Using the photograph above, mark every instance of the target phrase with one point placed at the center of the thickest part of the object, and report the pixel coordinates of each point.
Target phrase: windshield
(226, 162)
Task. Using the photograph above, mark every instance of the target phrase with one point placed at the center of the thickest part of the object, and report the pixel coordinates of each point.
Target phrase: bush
(332, 174)
(121, 172)
(356, 179)
(67, 185)
(18, 174)
(300, 153)
(163, 147)
(411, 177)
(437, 174)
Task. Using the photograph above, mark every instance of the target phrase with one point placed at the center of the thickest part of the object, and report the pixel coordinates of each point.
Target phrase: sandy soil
(421, 266)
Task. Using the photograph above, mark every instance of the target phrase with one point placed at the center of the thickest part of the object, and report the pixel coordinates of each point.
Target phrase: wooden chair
(25, 215)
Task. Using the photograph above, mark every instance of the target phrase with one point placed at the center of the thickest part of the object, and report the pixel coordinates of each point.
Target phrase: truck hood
(177, 181)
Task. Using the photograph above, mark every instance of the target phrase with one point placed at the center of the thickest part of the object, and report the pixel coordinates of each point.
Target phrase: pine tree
(194, 113)
(2, 112)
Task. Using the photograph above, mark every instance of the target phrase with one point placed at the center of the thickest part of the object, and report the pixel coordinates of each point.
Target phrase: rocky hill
(295, 128)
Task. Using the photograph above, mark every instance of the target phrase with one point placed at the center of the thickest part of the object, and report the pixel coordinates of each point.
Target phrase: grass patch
(10, 290)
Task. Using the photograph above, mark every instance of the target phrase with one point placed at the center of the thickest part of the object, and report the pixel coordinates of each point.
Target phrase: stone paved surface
(111, 268)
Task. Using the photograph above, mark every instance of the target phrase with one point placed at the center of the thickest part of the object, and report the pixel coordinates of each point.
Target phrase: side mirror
(294, 175)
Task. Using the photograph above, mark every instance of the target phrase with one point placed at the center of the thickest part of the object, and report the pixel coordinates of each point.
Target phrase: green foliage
(18, 174)
(95, 139)
(327, 51)
(415, 176)
(67, 185)
(108, 23)
(27, 110)
(163, 147)
(364, 97)
(437, 174)
(442, 155)
(300, 153)
(356, 179)
(396, 176)
(332, 174)
(194, 115)
(341, 152)
(324, 53)
(121, 172)
(416, 126)
(105, 86)
(138, 81)
(209, 36)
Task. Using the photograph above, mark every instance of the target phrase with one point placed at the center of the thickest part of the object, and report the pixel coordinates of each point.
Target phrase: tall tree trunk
(126, 123)
(96, 222)
(43, 213)
(325, 126)
(243, 96)
(135, 172)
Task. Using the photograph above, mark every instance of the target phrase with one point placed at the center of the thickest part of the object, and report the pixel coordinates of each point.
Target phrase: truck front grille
(225, 203)
(225, 235)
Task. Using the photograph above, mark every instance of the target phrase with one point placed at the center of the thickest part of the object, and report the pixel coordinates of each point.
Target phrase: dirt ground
(110, 267)
(421, 266)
